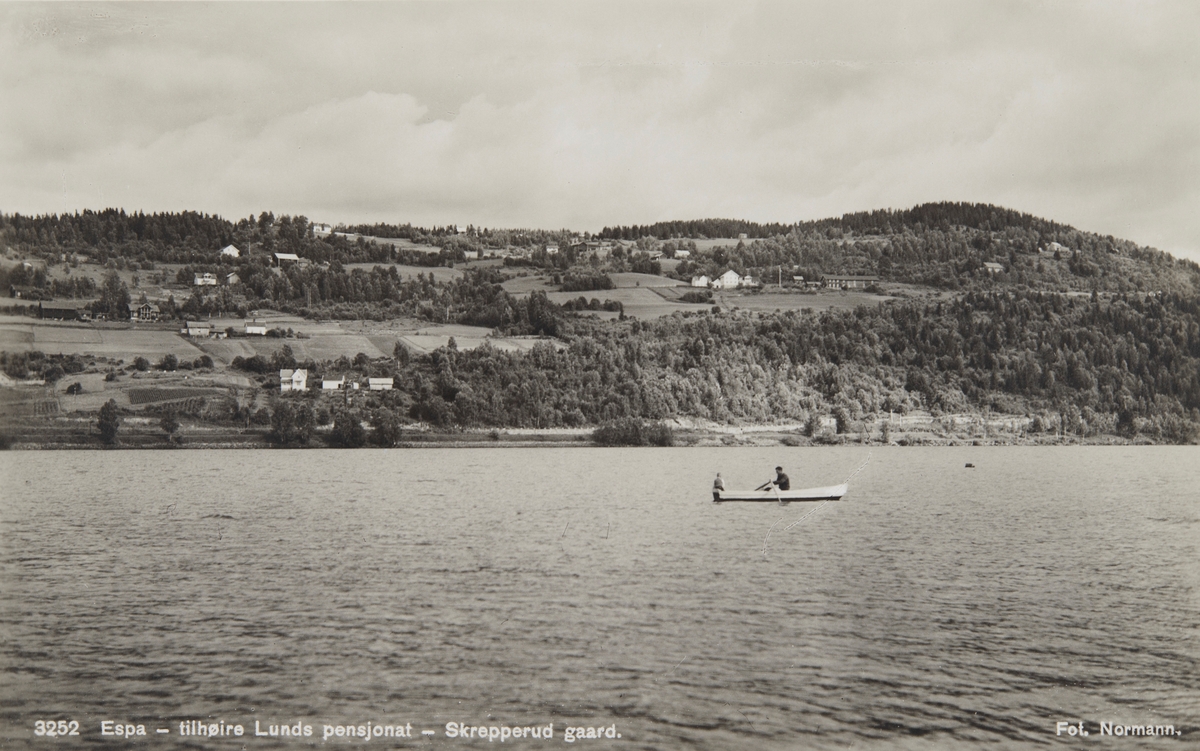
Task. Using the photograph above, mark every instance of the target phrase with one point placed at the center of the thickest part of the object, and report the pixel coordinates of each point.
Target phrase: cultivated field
(55, 338)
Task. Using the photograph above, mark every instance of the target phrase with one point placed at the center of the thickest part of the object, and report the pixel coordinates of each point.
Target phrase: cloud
(592, 114)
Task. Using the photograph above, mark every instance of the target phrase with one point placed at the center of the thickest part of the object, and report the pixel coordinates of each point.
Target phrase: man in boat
(718, 487)
(781, 480)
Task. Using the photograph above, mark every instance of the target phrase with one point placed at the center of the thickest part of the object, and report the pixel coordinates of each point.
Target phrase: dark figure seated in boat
(781, 480)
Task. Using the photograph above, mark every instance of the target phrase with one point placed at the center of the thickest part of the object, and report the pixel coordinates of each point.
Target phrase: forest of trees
(696, 229)
(1084, 366)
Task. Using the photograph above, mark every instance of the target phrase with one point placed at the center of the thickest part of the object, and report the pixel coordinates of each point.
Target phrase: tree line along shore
(1075, 337)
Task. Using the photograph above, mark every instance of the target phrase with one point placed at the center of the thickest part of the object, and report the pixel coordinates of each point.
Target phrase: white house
(380, 384)
(729, 280)
(256, 328)
(321, 229)
(207, 279)
(231, 251)
(700, 281)
(551, 249)
(328, 385)
(233, 278)
(679, 254)
(293, 380)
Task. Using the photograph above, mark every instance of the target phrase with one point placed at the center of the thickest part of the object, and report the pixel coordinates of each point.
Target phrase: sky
(582, 115)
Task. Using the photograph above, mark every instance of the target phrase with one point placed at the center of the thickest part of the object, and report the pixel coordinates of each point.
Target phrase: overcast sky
(582, 115)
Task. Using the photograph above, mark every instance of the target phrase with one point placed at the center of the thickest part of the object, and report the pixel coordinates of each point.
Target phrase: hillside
(1074, 333)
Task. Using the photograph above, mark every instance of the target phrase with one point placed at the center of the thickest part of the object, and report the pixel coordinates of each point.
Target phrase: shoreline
(143, 437)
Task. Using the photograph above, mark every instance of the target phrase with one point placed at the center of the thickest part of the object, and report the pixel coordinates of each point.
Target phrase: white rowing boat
(773, 495)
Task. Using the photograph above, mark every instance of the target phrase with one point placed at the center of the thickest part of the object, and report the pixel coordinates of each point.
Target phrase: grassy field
(770, 300)
(643, 302)
(628, 279)
(318, 347)
(716, 242)
(55, 338)
(523, 285)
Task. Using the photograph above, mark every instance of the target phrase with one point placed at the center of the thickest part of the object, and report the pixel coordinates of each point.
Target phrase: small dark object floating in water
(217, 516)
(969, 464)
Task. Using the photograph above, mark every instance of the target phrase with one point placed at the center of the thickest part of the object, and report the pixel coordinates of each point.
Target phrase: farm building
(207, 279)
(254, 328)
(145, 312)
(293, 380)
(993, 268)
(729, 280)
(63, 311)
(233, 278)
(198, 329)
(700, 281)
(380, 384)
(681, 254)
(849, 281)
(231, 251)
(331, 385)
(282, 258)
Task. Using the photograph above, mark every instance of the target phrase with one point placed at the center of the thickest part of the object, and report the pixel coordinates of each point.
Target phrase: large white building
(729, 280)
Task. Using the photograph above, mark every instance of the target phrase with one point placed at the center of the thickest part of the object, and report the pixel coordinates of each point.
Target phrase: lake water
(935, 606)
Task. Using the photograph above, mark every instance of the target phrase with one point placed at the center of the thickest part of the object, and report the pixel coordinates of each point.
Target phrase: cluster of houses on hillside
(732, 280)
(296, 379)
(205, 330)
(729, 280)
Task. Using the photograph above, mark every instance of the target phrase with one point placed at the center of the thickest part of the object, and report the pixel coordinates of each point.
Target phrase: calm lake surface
(935, 606)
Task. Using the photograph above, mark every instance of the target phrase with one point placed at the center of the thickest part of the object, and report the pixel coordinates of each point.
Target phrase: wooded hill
(1086, 366)
(1122, 358)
